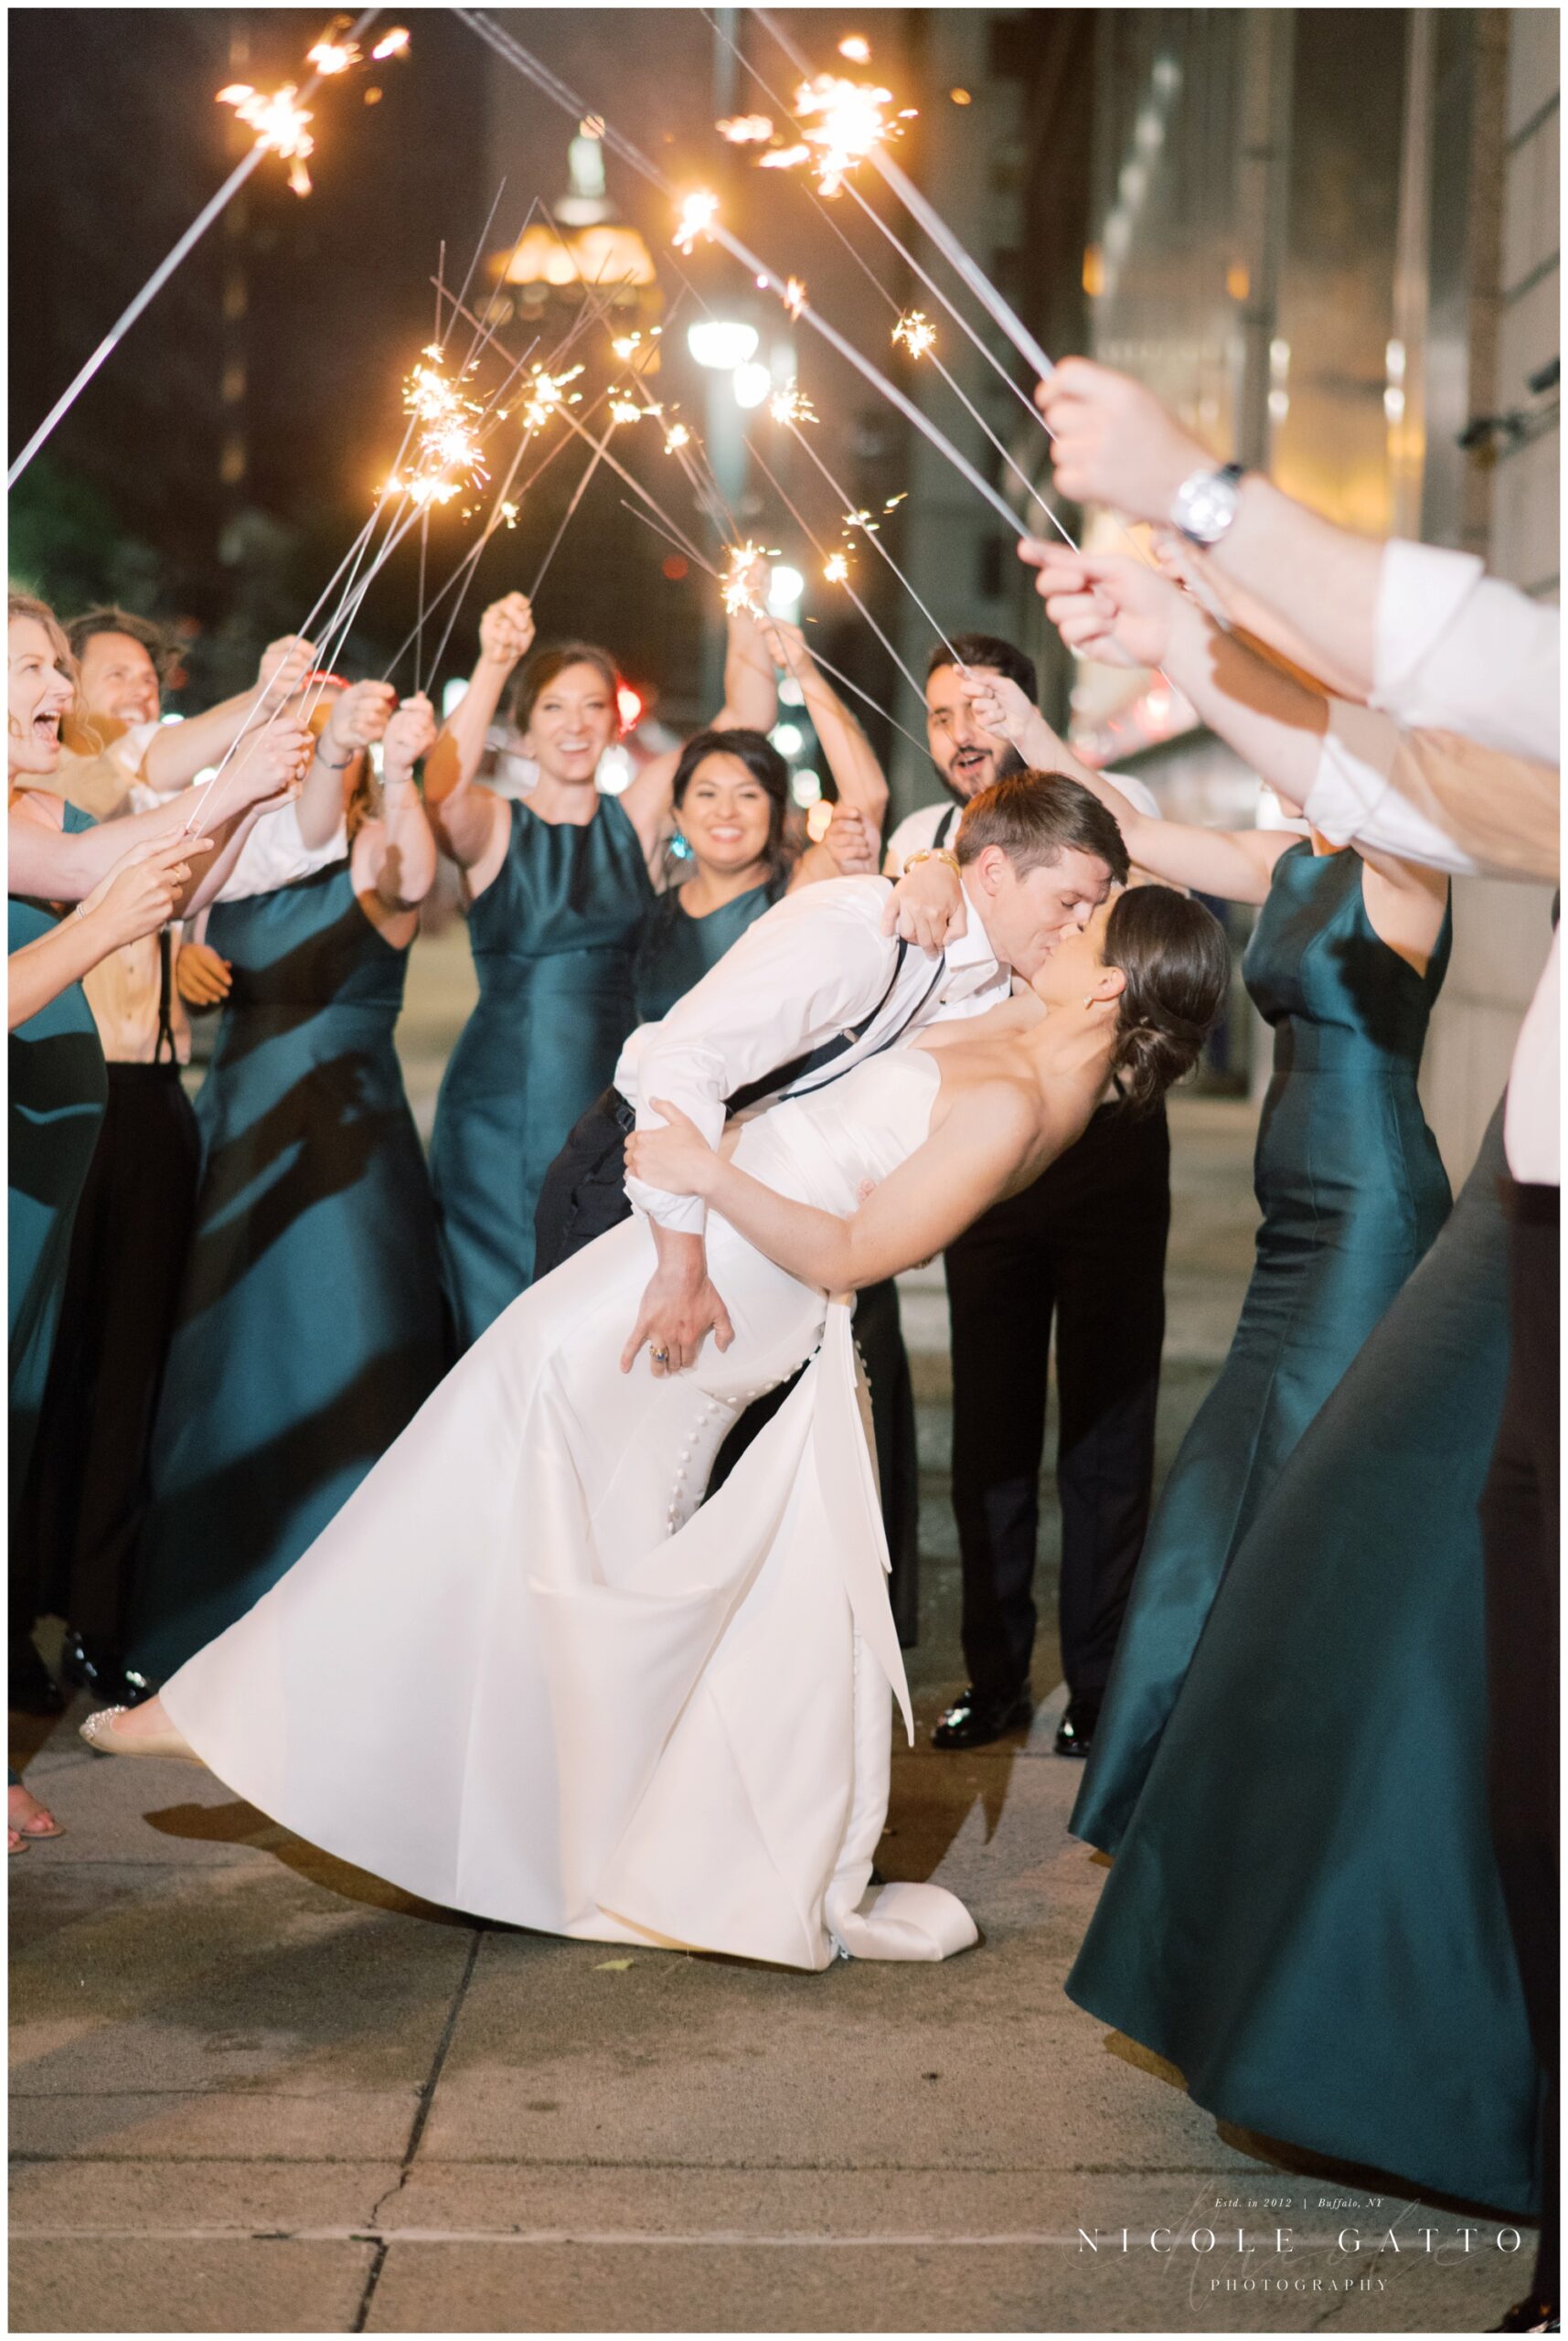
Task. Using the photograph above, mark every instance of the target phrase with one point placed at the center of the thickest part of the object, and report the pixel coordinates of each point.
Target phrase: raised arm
(135, 899)
(57, 867)
(403, 850)
(356, 717)
(851, 759)
(177, 752)
(916, 1212)
(464, 814)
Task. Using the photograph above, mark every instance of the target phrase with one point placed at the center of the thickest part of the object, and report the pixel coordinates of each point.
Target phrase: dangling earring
(1088, 1000)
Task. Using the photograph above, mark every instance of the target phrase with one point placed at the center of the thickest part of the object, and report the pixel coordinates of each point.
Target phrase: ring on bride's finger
(660, 1357)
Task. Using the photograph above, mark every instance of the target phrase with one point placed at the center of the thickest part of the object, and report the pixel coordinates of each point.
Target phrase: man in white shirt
(1084, 1248)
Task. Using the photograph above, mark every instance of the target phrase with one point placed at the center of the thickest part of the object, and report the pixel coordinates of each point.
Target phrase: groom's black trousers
(584, 1194)
(1084, 1245)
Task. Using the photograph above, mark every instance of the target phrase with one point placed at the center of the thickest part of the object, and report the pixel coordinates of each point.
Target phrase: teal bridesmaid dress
(311, 1327)
(59, 1090)
(675, 951)
(553, 937)
(1352, 1191)
(1305, 1915)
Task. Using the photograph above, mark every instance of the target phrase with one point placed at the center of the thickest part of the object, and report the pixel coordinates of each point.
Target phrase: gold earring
(1088, 1000)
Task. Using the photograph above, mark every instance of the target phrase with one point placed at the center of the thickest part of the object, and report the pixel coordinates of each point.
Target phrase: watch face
(1205, 506)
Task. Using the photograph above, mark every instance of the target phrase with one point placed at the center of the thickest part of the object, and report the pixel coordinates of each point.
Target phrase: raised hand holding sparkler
(358, 718)
(507, 631)
(409, 734)
(284, 664)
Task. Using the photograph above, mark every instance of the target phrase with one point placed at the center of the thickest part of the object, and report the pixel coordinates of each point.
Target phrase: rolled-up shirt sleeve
(1434, 797)
(1459, 651)
(815, 964)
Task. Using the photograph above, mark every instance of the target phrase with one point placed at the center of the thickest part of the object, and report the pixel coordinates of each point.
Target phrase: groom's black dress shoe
(104, 1673)
(973, 1720)
(33, 1690)
(1076, 1729)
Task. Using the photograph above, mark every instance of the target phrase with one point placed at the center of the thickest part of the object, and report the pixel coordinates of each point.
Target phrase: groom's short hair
(1037, 817)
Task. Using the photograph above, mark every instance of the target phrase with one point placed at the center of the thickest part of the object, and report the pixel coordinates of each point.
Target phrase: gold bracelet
(933, 853)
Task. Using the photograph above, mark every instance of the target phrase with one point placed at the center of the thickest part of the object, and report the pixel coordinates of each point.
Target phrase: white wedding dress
(523, 1674)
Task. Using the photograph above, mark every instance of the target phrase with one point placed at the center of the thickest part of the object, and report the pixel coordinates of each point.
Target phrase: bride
(579, 1699)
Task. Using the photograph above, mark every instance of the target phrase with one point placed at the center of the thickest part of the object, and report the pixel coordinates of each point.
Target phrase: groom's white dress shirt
(814, 966)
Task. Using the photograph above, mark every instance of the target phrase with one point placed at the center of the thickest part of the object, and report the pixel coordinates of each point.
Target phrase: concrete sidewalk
(255, 2090)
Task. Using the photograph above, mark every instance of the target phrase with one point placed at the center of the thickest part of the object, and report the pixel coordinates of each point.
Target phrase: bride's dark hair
(1177, 963)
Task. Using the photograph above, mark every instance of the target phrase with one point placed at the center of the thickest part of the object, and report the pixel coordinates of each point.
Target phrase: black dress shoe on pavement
(1076, 1729)
(32, 1689)
(973, 1720)
(1532, 2315)
(103, 1674)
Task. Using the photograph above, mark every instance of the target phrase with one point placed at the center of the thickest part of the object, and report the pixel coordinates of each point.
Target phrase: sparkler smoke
(160, 277)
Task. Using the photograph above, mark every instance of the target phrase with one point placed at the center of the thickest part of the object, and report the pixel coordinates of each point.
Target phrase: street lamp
(721, 343)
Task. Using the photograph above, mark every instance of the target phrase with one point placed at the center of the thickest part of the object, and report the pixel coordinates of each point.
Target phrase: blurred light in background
(785, 589)
(806, 787)
(722, 343)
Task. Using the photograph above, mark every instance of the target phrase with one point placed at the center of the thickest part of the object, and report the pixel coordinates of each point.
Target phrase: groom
(819, 984)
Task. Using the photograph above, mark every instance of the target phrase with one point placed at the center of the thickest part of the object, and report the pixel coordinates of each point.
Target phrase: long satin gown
(1352, 1191)
(1305, 1915)
(577, 1701)
(59, 1090)
(552, 936)
(311, 1325)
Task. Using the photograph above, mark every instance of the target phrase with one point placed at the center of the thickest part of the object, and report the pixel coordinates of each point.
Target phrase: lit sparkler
(334, 52)
(626, 410)
(742, 584)
(745, 129)
(856, 48)
(792, 406)
(915, 333)
(850, 121)
(795, 296)
(837, 572)
(393, 44)
(697, 213)
(547, 393)
(278, 122)
(678, 437)
(509, 513)
(783, 158)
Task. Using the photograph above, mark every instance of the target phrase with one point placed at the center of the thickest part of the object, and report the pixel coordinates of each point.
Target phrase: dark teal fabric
(1305, 1913)
(311, 1326)
(553, 937)
(1352, 1191)
(676, 951)
(59, 1089)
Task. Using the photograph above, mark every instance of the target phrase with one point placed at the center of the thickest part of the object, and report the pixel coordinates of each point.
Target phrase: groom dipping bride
(585, 1701)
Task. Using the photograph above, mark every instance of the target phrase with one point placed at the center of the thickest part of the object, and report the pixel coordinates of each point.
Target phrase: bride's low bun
(1177, 963)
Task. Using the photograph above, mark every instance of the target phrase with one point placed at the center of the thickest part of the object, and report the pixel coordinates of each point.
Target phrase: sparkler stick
(578, 494)
(159, 278)
(871, 536)
(821, 551)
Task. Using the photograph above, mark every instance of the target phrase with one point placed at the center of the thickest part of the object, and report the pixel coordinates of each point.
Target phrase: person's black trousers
(1520, 1515)
(1084, 1246)
(583, 1196)
(86, 1493)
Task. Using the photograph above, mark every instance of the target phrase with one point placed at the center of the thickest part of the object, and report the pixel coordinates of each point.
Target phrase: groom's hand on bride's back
(680, 1307)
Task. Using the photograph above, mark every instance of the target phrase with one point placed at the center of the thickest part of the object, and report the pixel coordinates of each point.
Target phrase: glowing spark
(894, 501)
(837, 569)
(795, 296)
(331, 56)
(697, 213)
(547, 392)
(625, 411)
(624, 347)
(783, 158)
(849, 121)
(743, 587)
(856, 48)
(393, 44)
(279, 124)
(745, 129)
(509, 514)
(792, 405)
(679, 437)
(916, 331)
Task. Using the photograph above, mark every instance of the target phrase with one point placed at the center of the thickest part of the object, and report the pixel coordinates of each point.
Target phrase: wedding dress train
(523, 1674)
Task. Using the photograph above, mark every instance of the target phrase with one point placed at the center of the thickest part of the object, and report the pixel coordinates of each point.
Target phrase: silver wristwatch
(1204, 506)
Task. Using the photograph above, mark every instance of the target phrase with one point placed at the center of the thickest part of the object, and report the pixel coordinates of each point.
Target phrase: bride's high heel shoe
(103, 1739)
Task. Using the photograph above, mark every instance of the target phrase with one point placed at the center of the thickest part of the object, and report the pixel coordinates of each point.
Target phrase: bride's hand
(926, 906)
(678, 1159)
